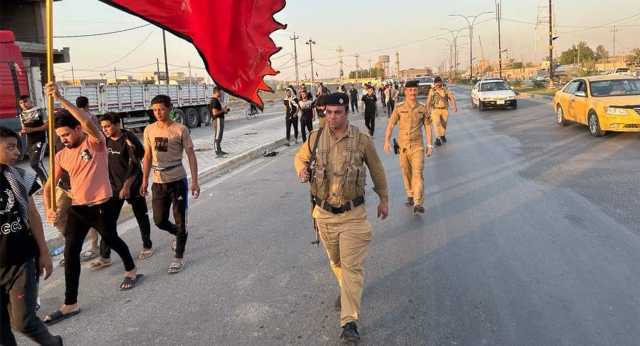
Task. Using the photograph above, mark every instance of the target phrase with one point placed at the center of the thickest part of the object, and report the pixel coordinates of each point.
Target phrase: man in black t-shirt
(353, 97)
(370, 108)
(34, 126)
(23, 251)
(217, 111)
(125, 174)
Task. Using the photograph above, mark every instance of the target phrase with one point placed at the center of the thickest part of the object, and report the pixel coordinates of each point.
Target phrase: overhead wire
(102, 33)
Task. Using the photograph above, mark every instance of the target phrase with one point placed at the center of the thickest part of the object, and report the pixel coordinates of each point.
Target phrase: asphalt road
(531, 237)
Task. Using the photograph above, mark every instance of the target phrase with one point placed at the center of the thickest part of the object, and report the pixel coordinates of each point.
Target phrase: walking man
(84, 158)
(34, 126)
(353, 97)
(291, 114)
(339, 152)
(438, 108)
(125, 174)
(412, 117)
(23, 251)
(370, 108)
(218, 112)
(306, 114)
(165, 141)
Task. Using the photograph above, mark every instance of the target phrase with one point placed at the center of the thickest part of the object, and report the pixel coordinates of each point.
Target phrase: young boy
(165, 141)
(23, 251)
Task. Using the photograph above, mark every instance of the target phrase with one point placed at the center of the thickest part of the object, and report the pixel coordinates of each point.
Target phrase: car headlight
(616, 111)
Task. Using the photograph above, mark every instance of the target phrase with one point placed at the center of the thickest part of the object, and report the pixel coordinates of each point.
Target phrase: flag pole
(52, 134)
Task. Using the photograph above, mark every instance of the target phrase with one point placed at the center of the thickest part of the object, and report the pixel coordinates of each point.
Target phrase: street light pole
(310, 43)
(471, 22)
(499, 19)
(551, 69)
(454, 35)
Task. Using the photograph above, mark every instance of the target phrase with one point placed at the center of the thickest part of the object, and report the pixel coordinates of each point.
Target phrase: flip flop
(145, 253)
(130, 282)
(175, 267)
(88, 255)
(99, 264)
(58, 316)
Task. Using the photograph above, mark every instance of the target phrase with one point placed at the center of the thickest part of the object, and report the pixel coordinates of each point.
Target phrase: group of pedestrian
(98, 166)
(332, 160)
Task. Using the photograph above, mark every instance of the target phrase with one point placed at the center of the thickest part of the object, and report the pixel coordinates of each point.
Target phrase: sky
(414, 29)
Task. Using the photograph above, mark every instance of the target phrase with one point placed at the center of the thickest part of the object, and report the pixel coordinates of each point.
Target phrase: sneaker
(438, 143)
(418, 209)
(409, 202)
(350, 332)
(444, 139)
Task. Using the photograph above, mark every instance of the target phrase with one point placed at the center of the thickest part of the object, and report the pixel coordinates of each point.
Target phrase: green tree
(580, 52)
(601, 53)
(633, 59)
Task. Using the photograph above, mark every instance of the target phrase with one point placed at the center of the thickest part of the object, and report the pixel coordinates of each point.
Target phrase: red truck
(14, 80)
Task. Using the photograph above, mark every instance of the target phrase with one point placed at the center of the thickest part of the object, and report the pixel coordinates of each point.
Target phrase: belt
(356, 202)
(440, 107)
(160, 169)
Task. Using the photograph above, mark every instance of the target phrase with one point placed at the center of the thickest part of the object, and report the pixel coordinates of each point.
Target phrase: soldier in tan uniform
(338, 188)
(438, 108)
(411, 116)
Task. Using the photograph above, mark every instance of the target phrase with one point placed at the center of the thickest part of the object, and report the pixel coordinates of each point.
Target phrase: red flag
(232, 36)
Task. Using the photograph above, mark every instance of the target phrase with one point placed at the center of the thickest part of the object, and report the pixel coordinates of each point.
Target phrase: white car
(493, 93)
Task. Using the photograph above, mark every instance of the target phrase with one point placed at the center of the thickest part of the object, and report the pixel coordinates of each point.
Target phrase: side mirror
(580, 94)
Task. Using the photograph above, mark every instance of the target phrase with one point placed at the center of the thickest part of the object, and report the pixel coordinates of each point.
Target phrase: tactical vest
(350, 175)
(438, 100)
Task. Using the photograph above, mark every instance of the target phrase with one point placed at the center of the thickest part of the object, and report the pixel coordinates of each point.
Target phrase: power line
(102, 33)
(128, 53)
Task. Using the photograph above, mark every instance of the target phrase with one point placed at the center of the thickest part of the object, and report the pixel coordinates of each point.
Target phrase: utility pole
(614, 31)
(311, 43)
(551, 67)
(158, 69)
(115, 76)
(73, 76)
(454, 35)
(295, 38)
(340, 51)
(499, 19)
(166, 63)
(397, 65)
(357, 56)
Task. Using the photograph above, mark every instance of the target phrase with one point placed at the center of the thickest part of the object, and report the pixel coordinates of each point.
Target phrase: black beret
(411, 84)
(335, 99)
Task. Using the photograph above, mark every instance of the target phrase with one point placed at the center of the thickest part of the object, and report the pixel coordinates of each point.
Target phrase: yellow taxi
(603, 103)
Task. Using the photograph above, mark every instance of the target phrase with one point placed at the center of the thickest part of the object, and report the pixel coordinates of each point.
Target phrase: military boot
(350, 333)
(444, 139)
(418, 209)
(438, 142)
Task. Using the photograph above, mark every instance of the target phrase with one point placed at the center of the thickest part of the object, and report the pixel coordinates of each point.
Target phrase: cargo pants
(412, 167)
(346, 244)
(440, 117)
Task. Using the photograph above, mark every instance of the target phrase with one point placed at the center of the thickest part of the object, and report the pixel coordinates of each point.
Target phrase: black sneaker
(418, 209)
(350, 332)
(444, 139)
(409, 202)
(438, 143)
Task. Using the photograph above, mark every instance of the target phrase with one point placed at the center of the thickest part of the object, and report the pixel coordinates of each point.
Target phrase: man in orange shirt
(85, 159)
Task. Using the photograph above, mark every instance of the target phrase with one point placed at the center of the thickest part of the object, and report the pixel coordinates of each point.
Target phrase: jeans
(370, 122)
(36, 155)
(80, 219)
(171, 196)
(18, 295)
(139, 206)
(292, 122)
(306, 124)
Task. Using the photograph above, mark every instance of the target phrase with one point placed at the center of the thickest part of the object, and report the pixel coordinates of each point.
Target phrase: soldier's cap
(335, 99)
(411, 84)
(438, 79)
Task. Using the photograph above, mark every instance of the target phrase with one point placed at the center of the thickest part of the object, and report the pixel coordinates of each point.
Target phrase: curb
(56, 245)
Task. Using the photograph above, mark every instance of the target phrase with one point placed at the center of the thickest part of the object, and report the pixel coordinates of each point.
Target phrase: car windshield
(618, 87)
(425, 80)
(494, 86)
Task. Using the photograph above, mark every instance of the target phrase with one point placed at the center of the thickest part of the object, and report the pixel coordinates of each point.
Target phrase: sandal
(129, 283)
(89, 255)
(175, 267)
(145, 253)
(58, 316)
(100, 264)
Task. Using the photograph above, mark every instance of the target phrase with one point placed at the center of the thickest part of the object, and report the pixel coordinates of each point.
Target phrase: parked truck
(130, 101)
